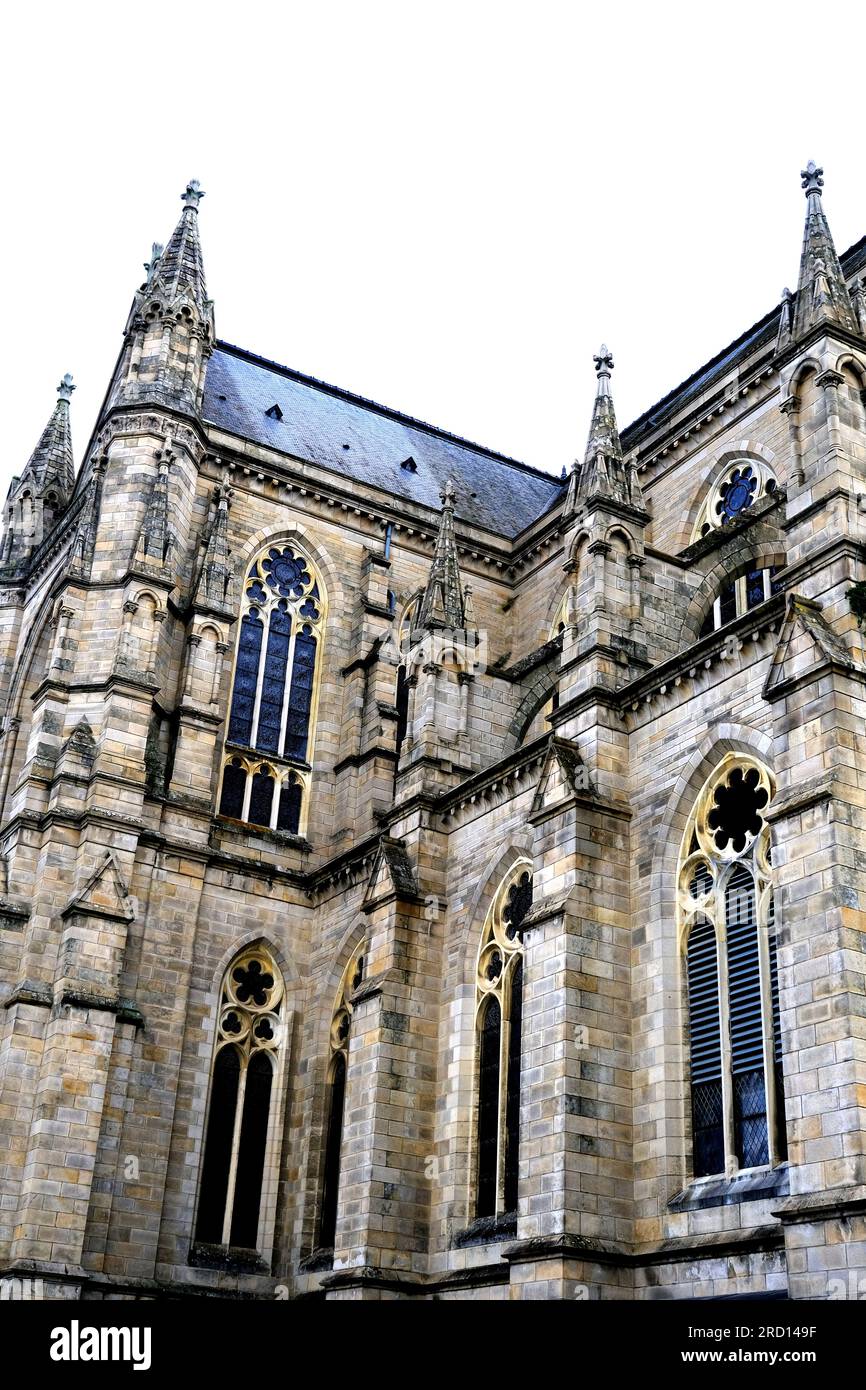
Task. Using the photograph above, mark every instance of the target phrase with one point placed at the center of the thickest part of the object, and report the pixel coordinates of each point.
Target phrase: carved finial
(66, 388)
(192, 195)
(603, 361)
(813, 178)
(155, 258)
(447, 494)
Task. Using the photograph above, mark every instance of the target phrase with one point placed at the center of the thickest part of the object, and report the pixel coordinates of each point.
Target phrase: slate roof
(492, 491)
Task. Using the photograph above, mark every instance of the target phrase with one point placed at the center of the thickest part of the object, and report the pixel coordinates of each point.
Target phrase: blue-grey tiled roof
(494, 492)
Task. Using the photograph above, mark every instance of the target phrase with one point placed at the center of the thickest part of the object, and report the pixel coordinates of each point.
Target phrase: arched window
(274, 695)
(241, 1108)
(729, 935)
(741, 595)
(338, 1065)
(743, 483)
(499, 1013)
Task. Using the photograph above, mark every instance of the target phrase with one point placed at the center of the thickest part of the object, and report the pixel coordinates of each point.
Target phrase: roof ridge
(389, 411)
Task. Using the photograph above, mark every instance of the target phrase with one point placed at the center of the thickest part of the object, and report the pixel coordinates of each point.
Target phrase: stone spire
(177, 272)
(822, 295)
(443, 603)
(212, 589)
(604, 473)
(170, 332)
(36, 498)
(51, 460)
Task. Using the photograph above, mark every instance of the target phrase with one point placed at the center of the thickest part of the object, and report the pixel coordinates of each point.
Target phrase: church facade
(424, 877)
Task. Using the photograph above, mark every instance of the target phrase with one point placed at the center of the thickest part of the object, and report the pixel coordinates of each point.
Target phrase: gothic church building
(424, 877)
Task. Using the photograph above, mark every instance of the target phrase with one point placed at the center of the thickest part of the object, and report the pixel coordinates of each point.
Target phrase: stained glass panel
(301, 695)
(246, 678)
(234, 784)
(274, 679)
(261, 799)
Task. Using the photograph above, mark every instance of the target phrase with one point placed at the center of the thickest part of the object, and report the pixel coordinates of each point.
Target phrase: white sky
(445, 207)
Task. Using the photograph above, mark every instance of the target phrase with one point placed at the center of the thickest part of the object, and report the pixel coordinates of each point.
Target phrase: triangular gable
(564, 777)
(392, 875)
(806, 645)
(104, 894)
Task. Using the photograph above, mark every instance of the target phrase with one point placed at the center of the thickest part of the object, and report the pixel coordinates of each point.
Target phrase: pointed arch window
(729, 934)
(338, 1066)
(275, 692)
(241, 1123)
(499, 1017)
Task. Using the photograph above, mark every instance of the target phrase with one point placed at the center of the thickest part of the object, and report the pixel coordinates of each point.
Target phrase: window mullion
(233, 1166)
(725, 1030)
(767, 1035)
(504, 1044)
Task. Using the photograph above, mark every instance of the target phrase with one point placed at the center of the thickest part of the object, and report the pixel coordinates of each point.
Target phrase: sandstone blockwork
(423, 877)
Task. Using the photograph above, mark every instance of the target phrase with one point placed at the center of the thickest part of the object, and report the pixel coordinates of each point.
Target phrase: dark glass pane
(488, 1108)
(261, 799)
(251, 1152)
(246, 676)
(232, 799)
(754, 588)
(705, 1050)
(708, 1131)
(554, 700)
(709, 623)
(301, 695)
(727, 604)
(776, 585)
(274, 680)
(512, 1092)
(289, 813)
(333, 1144)
(746, 1021)
(402, 702)
(218, 1147)
(736, 493)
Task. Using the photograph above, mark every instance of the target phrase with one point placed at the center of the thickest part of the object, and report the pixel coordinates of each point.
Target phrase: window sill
(263, 832)
(487, 1229)
(754, 1185)
(233, 1259)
